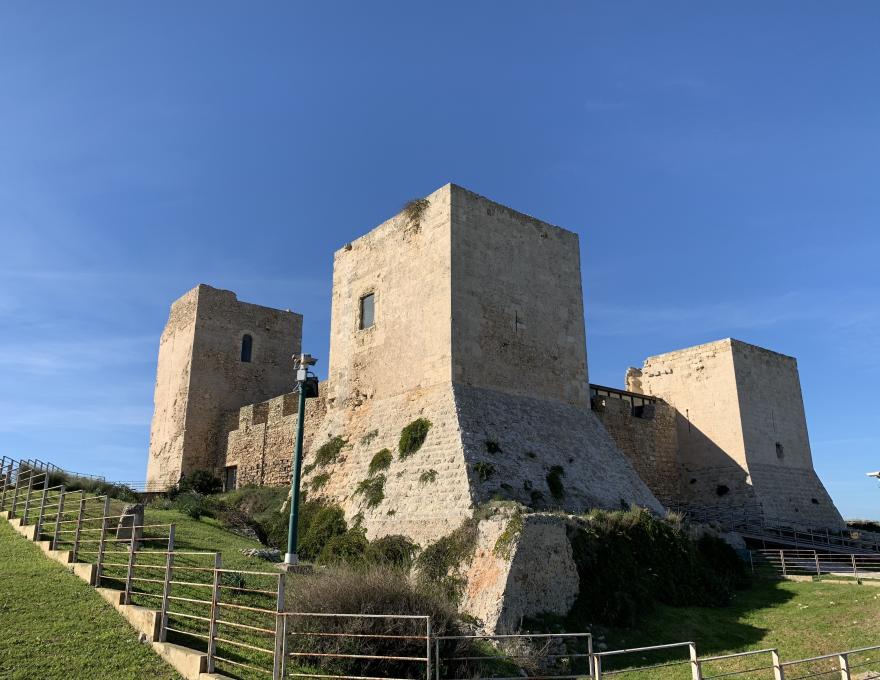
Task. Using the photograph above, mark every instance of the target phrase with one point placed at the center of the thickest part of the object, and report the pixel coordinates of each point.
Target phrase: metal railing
(786, 563)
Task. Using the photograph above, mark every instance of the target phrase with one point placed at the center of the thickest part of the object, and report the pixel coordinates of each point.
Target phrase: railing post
(7, 478)
(752, 561)
(15, 493)
(59, 512)
(42, 512)
(818, 571)
(855, 568)
(590, 654)
(782, 559)
(428, 649)
(778, 669)
(27, 501)
(696, 669)
(215, 605)
(843, 662)
(79, 519)
(166, 585)
(278, 657)
(102, 544)
(437, 659)
(597, 668)
(132, 549)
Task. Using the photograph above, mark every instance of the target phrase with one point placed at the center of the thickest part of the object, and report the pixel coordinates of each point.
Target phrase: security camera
(302, 360)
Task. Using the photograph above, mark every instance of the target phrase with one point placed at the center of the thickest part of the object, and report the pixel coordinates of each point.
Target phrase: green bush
(372, 489)
(381, 461)
(413, 436)
(191, 504)
(319, 524)
(394, 550)
(318, 481)
(554, 482)
(328, 452)
(629, 560)
(440, 562)
(348, 548)
(428, 476)
(484, 470)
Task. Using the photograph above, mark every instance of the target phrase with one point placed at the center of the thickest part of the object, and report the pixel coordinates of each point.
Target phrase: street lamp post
(307, 386)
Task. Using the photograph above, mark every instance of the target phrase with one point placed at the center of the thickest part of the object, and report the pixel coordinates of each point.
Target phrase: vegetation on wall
(328, 452)
(484, 470)
(372, 489)
(554, 482)
(319, 481)
(504, 545)
(441, 561)
(413, 211)
(381, 461)
(413, 436)
(428, 476)
(492, 446)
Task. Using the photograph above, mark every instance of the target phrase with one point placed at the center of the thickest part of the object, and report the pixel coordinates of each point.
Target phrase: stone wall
(650, 442)
(201, 375)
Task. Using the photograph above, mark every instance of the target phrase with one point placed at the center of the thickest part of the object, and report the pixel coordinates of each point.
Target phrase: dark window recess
(230, 480)
(722, 490)
(247, 348)
(368, 311)
(814, 501)
(780, 451)
(693, 480)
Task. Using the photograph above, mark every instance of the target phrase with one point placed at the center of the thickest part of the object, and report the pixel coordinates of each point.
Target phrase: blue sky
(719, 161)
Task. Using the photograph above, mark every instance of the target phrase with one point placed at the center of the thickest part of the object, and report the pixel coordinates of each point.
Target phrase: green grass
(800, 619)
(55, 626)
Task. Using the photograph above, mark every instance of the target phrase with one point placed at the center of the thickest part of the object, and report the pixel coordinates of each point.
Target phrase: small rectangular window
(368, 311)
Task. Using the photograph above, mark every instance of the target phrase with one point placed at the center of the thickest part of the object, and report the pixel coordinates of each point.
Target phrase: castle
(466, 317)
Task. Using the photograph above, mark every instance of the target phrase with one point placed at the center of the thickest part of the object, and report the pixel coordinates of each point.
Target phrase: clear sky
(719, 161)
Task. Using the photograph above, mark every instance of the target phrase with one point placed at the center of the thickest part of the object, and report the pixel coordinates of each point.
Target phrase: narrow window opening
(247, 348)
(780, 451)
(368, 311)
(722, 490)
(230, 480)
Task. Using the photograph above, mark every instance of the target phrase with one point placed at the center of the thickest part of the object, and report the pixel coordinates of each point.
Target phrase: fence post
(855, 568)
(15, 493)
(6, 479)
(437, 660)
(215, 605)
(132, 550)
(59, 513)
(27, 501)
(102, 544)
(597, 668)
(782, 559)
(42, 509)
(428, 649)
(278, 657)
(843, 662)
(79, 519)
(778, 670)
(166, 585)
(696, 669)
(818, 570)
(590, 654)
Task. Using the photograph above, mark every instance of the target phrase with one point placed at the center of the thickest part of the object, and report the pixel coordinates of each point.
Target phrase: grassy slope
(801, 619)
(55, 626)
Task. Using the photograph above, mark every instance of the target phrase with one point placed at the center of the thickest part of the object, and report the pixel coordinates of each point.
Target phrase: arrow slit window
(368, 311)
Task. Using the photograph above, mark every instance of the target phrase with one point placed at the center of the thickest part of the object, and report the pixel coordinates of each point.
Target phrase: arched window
(247, 348)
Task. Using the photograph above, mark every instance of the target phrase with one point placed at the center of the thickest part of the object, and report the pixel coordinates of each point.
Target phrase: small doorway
(230, 479)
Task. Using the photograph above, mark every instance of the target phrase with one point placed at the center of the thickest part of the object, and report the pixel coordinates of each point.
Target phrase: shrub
(381, 461)
(413, 436)
(191, 504)
(348, 547)
(428, 476)
(554, 482)
(439, 562)
(413, 211)
(328, 452)
(492, 446)
(484, 470)
(204, 482)
(394, 550)
(319, 524)
(366, 590)
(629, 560)
(372, 489)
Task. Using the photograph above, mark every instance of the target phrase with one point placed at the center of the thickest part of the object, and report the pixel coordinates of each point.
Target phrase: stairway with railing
(752, 526)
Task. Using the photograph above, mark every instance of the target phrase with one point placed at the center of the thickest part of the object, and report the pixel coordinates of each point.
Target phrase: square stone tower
(467, 314)
(742, 431)
(216, 354)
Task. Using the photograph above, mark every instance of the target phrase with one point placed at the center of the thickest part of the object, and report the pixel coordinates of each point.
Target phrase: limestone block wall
(650, 443)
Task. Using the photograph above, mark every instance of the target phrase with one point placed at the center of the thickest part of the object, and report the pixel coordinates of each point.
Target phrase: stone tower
(742, 432)
(470, 315)
(216, 354)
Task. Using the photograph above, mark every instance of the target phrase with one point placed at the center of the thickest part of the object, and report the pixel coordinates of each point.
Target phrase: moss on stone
(413, 436)
(504, 545)
(319, 481)
(428, 476)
